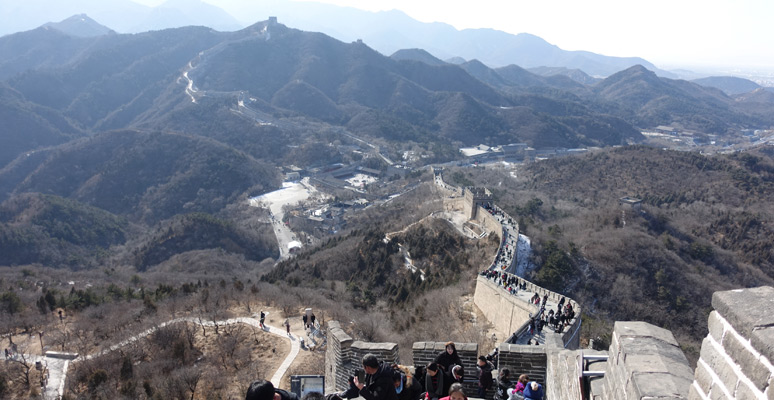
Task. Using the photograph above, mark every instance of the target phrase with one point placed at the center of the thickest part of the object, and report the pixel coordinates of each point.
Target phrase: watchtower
(474, 197)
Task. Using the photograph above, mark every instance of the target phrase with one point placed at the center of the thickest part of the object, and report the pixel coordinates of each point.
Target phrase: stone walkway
(58, 367)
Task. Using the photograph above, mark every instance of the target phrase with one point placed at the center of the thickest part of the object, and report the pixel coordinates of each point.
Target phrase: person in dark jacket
(484, 376)
(503, 384)
(264, 390)
(456, 375)
(533, 391)
(378, 383)
(406, 386)
(448, 357)
(434, 382)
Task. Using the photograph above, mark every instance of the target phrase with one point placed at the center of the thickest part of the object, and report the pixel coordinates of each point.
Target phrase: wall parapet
(645, 363)
(343, 356)
(736, 356)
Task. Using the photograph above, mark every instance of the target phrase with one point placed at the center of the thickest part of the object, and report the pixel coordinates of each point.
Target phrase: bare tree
(190, 377)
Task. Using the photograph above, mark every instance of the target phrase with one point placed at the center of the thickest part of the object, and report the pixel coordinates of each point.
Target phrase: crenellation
(750, 363)
(716, 326)
(736, 354)
(641, 354)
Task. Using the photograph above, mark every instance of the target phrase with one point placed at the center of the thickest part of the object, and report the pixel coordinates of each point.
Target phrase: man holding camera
(377, 384)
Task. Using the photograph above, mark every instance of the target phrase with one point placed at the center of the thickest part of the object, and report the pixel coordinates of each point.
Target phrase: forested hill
(706, 225)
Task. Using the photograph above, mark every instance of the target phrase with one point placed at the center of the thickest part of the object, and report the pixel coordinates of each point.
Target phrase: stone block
(746, 309)
(744, 392)
(467, 347)
(719, 365)
(715, 326)
(693, 393)
(703, 378)
(650, 345)
(762, 340)
(752, 367)
(418, 346)
(659, 386)
(717, 393)
(643, 329)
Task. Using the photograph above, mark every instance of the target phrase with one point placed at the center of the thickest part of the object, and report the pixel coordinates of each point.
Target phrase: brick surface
(762, 340)
(746, 309)
(751, 365)
(703, 378)
(717, 363)
(717, 393)
(715, 326)
(693, 393)
(744, 392)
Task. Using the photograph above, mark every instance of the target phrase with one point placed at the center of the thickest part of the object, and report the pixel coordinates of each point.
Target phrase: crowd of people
(441, 379)
(510, 282)
(508, 244)
(557, 320)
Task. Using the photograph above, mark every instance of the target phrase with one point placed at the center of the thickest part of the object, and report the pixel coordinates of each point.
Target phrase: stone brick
(752, 367)
(643, 329)
(762, 340)
(717, 393)
(746, 309)
(744, 392)
(770, 390)
(703, 378)
(717, 363)
(715, 326)
(693, 393)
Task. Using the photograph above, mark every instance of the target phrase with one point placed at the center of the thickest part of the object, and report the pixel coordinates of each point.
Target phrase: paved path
(58, 367)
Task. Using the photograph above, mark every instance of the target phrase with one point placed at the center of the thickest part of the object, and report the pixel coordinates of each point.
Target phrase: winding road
(57, 367)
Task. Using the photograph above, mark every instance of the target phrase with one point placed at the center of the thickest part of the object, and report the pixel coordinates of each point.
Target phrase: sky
(669, 33)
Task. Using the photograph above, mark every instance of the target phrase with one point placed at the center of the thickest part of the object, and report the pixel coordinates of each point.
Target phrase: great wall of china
(643, 361)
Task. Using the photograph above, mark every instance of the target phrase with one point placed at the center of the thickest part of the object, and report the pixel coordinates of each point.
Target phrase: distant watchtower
(631, 203)
(272, 20)
(474, 197)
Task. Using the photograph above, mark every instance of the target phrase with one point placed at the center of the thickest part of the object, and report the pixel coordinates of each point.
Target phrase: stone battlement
(737, 354)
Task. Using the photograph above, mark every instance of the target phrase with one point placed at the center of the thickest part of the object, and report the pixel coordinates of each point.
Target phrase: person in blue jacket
(533, 391)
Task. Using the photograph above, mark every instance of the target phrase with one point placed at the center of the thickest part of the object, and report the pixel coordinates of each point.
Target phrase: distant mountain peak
(417, 55)
(79, 25)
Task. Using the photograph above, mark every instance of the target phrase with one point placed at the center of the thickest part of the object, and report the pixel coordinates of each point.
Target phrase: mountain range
(155, 125)
(386, 32)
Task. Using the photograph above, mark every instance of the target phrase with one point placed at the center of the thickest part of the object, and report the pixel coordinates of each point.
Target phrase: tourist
(264, 390)
(313, 396)
(456, 392)
(503, 384)
(521, 384)
(406, 387)
(455, 375)
(434, 382)
(484, 368)
(287, 325)
(448, 357)
(263, 318)
(378, 384)
(533, 391)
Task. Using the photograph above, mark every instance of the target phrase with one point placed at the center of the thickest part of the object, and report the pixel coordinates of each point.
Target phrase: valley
(159, 189)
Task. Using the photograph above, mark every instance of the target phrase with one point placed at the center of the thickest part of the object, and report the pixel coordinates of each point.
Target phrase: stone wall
(425, 352)
(523, 359)
(509, 314)
(488, 221)
(343, 356)
(645, 363)
(505, 312)
(563, 372)
(737, 354)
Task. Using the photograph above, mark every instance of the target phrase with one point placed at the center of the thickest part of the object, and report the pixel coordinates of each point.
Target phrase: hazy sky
(666, 32)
